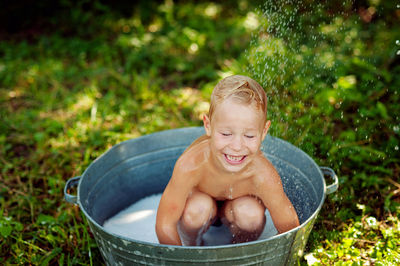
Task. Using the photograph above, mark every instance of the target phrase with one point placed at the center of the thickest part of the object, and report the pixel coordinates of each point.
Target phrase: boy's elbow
(160, 232)
(161, 228)
(289, 225)
(285, 228)
(167, 237)
(167, 234)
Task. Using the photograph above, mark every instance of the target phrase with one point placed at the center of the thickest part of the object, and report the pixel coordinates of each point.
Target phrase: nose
(237, 143)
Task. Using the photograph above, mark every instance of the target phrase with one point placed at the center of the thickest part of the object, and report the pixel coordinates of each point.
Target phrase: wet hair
(243, 89)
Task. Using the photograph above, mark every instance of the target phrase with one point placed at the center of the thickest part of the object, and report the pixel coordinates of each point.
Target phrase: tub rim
(76, 181)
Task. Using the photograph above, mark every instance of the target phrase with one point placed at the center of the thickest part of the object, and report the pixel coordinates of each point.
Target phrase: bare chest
(224, 188)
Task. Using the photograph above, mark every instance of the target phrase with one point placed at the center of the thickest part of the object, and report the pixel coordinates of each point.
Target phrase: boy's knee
(249, 214)
(200, 209)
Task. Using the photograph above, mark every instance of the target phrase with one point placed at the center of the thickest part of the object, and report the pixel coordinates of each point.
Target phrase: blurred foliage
(77, 77)
(332, 69)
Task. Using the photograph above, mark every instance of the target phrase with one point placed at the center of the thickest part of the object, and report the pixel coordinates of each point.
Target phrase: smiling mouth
(234, 159)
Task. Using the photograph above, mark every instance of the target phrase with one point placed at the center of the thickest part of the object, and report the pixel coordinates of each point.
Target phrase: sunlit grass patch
(366, 241)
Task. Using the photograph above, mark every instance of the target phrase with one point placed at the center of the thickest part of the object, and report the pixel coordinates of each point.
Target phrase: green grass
(70, 92)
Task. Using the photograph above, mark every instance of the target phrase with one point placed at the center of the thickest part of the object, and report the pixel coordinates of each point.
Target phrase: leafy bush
(333, 79)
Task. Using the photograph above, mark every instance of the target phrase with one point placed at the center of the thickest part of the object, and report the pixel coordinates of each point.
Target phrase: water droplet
(397, 42)
(230, 195)
(398, 52)
(396, 148)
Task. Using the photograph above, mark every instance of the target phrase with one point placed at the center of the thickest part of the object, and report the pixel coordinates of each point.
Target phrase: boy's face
(236, 132)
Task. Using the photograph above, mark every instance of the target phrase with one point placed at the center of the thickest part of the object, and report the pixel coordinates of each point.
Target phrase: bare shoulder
(266, 173)
(186, 175)
(193, 158)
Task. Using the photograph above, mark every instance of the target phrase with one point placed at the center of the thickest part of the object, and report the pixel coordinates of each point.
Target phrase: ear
(265, 130)
(207, 125)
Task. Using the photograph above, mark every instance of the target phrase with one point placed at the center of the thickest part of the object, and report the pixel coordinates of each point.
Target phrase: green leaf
(39, 137)
(347, 82)
(18, 226)
(5, 230)
(45, 219)
(382, 110)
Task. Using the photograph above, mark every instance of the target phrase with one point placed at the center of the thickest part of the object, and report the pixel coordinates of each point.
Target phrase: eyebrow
(246, 129)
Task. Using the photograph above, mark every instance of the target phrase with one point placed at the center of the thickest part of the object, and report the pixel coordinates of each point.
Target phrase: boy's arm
(171, 206)
(270, 191)
(168, 214)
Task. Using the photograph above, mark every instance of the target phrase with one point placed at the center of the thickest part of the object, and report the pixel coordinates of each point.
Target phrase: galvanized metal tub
(134, 169)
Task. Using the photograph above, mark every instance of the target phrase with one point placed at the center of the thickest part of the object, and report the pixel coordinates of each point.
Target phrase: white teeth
(234, 158)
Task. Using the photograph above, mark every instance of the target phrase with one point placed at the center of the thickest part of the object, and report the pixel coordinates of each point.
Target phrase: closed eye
(226, 134)
(249, 137)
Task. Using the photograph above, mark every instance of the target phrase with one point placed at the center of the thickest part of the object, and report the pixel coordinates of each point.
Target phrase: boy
(224, 175)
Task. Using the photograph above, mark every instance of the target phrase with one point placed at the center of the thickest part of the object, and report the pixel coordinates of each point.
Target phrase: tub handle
(329, 172)
(72, 182)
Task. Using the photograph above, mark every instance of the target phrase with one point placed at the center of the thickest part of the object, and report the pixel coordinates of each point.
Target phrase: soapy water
(138, 222)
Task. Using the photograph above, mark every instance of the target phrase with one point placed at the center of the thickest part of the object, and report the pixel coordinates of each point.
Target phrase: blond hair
(241, 88)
